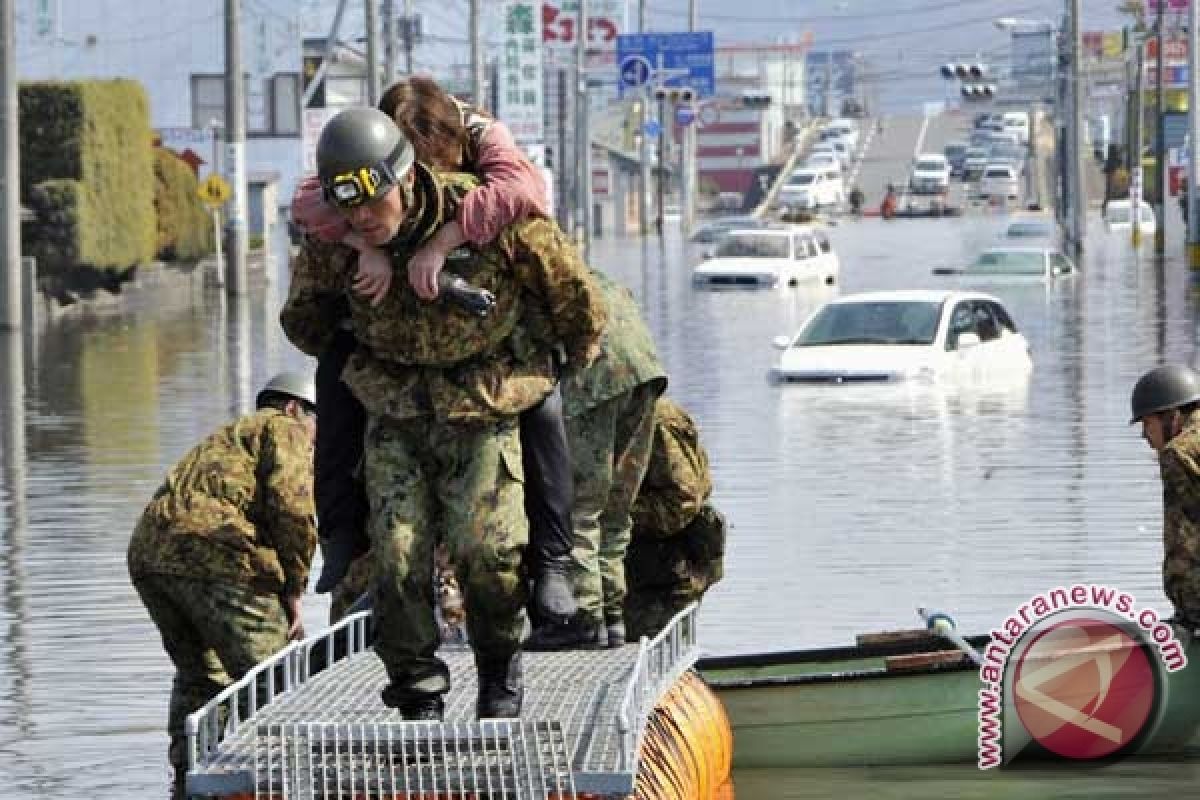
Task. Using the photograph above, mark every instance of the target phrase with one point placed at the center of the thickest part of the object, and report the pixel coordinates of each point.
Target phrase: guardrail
(291, 667)
(660, 662)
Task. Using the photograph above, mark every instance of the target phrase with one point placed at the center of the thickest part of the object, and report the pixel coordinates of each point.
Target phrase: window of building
(272, 105)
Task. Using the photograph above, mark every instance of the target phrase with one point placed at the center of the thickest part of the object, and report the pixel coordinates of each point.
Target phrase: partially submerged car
(770, 257)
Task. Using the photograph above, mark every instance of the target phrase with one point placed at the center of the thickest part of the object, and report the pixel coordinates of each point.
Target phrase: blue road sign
(651, 128)
(635, 72)
(685, 58)
(685, 115)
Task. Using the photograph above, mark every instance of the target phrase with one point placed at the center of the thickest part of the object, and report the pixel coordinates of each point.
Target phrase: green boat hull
(844, 707)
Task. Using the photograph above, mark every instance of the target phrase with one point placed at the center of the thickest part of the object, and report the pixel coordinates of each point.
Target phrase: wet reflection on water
(850, 506)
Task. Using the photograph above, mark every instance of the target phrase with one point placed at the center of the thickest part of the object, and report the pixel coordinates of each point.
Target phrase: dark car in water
(956, 155)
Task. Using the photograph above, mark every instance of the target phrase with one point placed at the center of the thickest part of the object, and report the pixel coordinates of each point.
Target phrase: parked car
(811, 188)
(824, 159)
(1118, 216)
(1021, 264)
(922, 335)
(956, 156)
(837, 147)
(999, 182)
(1030, 226)
(713, 230)
(930, 174)
(1017, 122)
(974, 163)
(769, 257)
(844, 129)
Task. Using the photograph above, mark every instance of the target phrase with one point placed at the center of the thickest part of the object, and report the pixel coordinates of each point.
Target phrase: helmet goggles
(358, 187)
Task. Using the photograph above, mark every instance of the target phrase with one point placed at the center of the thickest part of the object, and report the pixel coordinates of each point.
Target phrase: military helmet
(1163, 388)
(296, 385)
(361, 153)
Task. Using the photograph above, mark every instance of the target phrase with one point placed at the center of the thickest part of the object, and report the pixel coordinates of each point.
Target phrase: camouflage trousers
(213, 632)
(350, 588)
(464, 482)
(610, 448)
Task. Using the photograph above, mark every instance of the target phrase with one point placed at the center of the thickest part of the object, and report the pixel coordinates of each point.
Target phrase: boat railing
(283, 672)
(660, 662)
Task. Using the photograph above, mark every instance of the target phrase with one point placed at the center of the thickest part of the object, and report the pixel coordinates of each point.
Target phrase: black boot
(338, 552)
(500, 686)
(615, 628)
(553, 597)
(413, 705)
(579, 632)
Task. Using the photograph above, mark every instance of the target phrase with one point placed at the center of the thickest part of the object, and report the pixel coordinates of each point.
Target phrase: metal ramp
(308, 723)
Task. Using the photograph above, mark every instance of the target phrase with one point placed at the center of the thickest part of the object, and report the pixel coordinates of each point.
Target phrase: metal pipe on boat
(942, 624)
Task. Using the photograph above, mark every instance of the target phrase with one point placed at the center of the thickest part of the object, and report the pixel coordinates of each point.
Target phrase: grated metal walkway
(293, 729)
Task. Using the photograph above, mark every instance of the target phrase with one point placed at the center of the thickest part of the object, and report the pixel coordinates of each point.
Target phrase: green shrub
(184, 223)
(87, 170)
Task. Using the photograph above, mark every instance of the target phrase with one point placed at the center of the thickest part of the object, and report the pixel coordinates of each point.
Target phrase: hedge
(184, 224)
(87, 170)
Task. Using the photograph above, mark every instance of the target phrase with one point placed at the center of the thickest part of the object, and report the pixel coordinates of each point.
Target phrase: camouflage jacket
(417, 357)
(1179, 464)
(627, 357)
(237, 508)
(677, 481)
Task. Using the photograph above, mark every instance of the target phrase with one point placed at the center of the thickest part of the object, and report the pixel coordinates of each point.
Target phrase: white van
(811, 188)
(1017, 122)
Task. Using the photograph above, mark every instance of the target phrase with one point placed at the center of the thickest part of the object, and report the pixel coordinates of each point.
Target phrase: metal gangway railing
(308, 723)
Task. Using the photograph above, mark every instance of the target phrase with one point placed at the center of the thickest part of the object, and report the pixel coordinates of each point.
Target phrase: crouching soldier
(220, 556)
(678, 545)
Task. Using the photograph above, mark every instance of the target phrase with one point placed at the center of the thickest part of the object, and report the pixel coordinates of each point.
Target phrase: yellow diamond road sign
(214, 190)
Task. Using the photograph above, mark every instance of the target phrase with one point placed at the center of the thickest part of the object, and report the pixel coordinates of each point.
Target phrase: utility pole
(409, 36)
(10, 216)
(583, 131)
(370, 22)
(1193, 237)
(644, 149)
(1135, 158)
(476, 32)
(660, 217)
(1078, 187)
(389, 42)
(236, 235)
(1160, 146)
(687, 174)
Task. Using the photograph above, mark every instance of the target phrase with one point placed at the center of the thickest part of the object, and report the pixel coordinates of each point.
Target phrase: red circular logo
(1084, 688)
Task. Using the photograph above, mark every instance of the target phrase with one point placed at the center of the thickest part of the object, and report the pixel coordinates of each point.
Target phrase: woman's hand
(423, 269)
(374, 276)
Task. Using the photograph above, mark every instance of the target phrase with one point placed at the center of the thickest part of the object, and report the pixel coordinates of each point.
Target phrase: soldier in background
(678, 545)
(609, 406)
(1165, 401)
(221, 554)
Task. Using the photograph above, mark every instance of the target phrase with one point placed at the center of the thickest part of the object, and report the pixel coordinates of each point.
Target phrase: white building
(176, 50)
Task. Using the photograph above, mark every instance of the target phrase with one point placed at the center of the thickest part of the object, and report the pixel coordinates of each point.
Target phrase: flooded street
(850, 505)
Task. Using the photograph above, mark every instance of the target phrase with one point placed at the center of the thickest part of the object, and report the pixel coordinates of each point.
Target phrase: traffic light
(676, 94)
(752, 99)
(963, 72)
(979, 91)
(948, 72)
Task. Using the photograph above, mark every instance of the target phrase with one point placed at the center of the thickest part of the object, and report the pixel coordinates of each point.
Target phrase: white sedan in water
(877, 337)
(769, 257)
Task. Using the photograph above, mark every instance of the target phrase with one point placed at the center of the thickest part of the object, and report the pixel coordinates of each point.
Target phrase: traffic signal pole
(644, 146)
(1160, 146)
(687, 167)
(1193, 237)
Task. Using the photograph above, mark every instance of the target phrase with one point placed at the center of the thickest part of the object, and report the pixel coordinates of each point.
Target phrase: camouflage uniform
(609, 410)
(442, 389)
(678, 544)
(229, 532)
(1179, 464)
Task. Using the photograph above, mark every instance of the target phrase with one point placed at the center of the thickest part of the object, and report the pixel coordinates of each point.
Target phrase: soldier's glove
(477, 301)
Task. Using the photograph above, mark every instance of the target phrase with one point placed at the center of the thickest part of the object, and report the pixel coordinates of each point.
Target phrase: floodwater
(850, 506)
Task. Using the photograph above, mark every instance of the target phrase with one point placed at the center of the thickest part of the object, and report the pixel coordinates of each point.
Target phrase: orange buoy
(687, 752)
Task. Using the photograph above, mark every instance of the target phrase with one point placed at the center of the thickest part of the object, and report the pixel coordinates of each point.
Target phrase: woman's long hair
(430, 118)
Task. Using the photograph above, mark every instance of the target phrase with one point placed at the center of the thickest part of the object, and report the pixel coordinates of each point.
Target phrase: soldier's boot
(580, 632)
(177, 757)
(338, 552)
(414, 705)
(615, 628)
(501, 687)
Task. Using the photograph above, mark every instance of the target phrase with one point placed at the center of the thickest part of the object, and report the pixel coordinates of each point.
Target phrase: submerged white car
(769, 257)
(921, 335)
(1118, 216)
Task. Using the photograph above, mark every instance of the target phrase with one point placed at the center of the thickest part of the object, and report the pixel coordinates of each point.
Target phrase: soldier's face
(1158, 429)
(379, 220)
